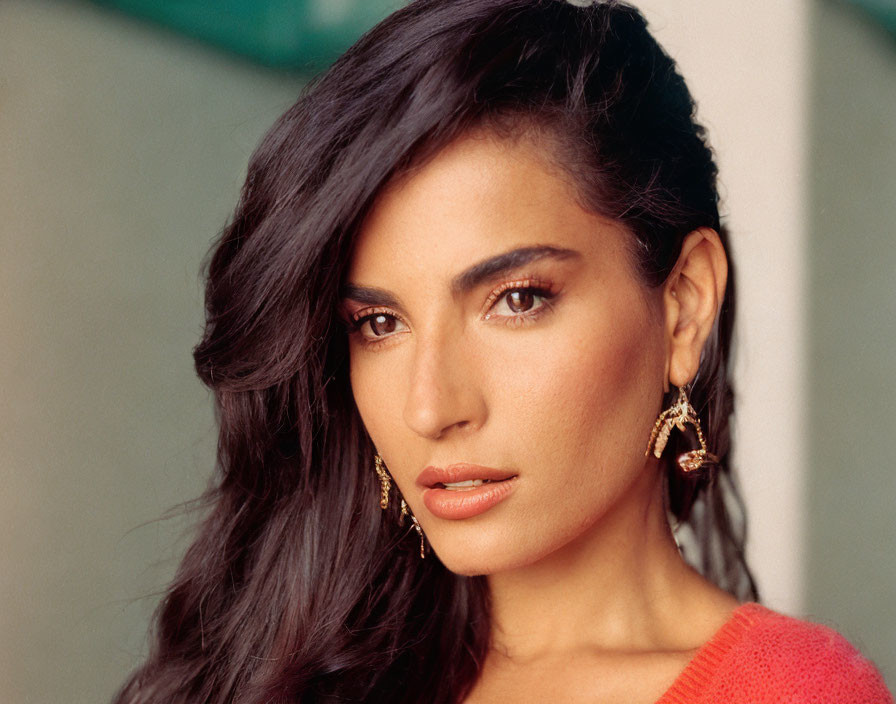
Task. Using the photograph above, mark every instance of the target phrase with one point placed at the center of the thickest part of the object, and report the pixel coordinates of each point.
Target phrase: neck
(621, 586)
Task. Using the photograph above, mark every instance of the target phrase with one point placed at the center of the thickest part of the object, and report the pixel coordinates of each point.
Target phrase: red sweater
(763, 657)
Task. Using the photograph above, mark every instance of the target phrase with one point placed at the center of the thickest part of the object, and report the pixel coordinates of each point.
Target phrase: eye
(376, 325)
(518, 302)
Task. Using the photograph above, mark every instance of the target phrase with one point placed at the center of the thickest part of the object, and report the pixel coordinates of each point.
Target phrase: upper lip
(460, 472)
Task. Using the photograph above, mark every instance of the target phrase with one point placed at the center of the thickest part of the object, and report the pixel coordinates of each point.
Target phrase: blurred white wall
(746, 65)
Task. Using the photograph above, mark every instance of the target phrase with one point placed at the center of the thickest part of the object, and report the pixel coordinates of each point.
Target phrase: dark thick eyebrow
(470, 278)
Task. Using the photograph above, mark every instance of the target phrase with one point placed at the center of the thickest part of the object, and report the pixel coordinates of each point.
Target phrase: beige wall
(121, 153)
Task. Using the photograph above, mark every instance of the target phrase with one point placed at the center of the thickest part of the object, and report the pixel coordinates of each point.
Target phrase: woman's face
(506, 327)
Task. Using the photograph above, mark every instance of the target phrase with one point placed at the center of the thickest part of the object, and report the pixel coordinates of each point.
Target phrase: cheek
(374, 378)
(369, 375)
(586, 392)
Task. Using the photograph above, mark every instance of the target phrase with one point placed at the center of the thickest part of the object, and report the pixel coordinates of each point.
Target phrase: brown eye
(376, 327)
(521, 300)
(520, 304)
(381, 324)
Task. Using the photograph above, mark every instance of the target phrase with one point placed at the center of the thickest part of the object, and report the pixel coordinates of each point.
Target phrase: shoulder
(803, 661)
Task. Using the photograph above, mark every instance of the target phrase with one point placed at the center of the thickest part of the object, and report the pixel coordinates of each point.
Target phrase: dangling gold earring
(385, 481)
(405, 511)
(677, 415)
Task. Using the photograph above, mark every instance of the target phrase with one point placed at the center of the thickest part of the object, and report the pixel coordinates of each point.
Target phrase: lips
(464, 501)
(460, 472)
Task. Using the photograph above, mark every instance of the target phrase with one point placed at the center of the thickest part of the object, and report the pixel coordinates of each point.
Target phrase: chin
(485, 552)
(468, 560)
(474, 568)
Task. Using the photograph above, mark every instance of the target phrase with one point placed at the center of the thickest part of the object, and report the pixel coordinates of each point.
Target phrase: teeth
(465, 484)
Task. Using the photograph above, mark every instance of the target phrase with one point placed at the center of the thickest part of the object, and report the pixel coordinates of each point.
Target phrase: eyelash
(541, 289)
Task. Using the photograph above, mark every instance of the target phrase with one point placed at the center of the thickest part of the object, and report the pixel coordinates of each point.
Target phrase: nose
(443, 393)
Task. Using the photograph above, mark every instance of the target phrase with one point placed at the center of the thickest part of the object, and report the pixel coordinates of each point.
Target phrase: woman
(468, 333)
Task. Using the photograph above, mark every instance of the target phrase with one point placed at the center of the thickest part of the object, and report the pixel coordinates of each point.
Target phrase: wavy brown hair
(296, 588)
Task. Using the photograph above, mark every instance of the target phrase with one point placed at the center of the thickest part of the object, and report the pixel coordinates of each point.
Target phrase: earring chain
(385, 484)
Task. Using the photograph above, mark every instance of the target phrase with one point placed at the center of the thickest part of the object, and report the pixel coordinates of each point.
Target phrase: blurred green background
(303, 35)
(883, 11)
(122, 149)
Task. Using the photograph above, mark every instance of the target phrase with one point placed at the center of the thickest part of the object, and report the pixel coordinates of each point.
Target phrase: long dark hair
(296, 588)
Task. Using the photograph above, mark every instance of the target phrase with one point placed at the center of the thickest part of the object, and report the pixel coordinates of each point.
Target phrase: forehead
(479, 195)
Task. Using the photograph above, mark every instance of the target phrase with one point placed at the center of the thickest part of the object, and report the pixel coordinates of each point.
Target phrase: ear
(692, 297)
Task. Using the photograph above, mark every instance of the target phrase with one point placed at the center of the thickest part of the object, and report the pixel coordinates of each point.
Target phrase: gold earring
(677, 416)
(405, 511)
(385, 481)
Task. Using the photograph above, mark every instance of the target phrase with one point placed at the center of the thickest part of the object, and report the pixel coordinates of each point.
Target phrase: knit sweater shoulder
(760, 656)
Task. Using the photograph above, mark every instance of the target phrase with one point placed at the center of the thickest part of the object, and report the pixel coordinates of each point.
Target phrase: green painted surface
(884, 11)
(301, 34)
(122, 151)
(851, 579)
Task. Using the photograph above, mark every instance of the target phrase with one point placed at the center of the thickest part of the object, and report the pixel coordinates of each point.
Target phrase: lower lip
(456, 504)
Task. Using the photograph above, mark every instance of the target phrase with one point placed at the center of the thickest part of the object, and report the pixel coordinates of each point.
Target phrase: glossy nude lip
(466, 503)
(459, 472)
(456, 504)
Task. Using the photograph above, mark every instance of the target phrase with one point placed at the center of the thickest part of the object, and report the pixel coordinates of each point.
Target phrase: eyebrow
(468, 279)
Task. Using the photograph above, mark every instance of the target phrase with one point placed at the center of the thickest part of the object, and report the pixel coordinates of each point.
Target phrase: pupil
(520, 301)
(382, 320)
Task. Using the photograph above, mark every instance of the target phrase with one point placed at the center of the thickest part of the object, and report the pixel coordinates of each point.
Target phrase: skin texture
(562, 386)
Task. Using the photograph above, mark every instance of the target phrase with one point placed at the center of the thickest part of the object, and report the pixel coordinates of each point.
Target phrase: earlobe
(692, 297)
